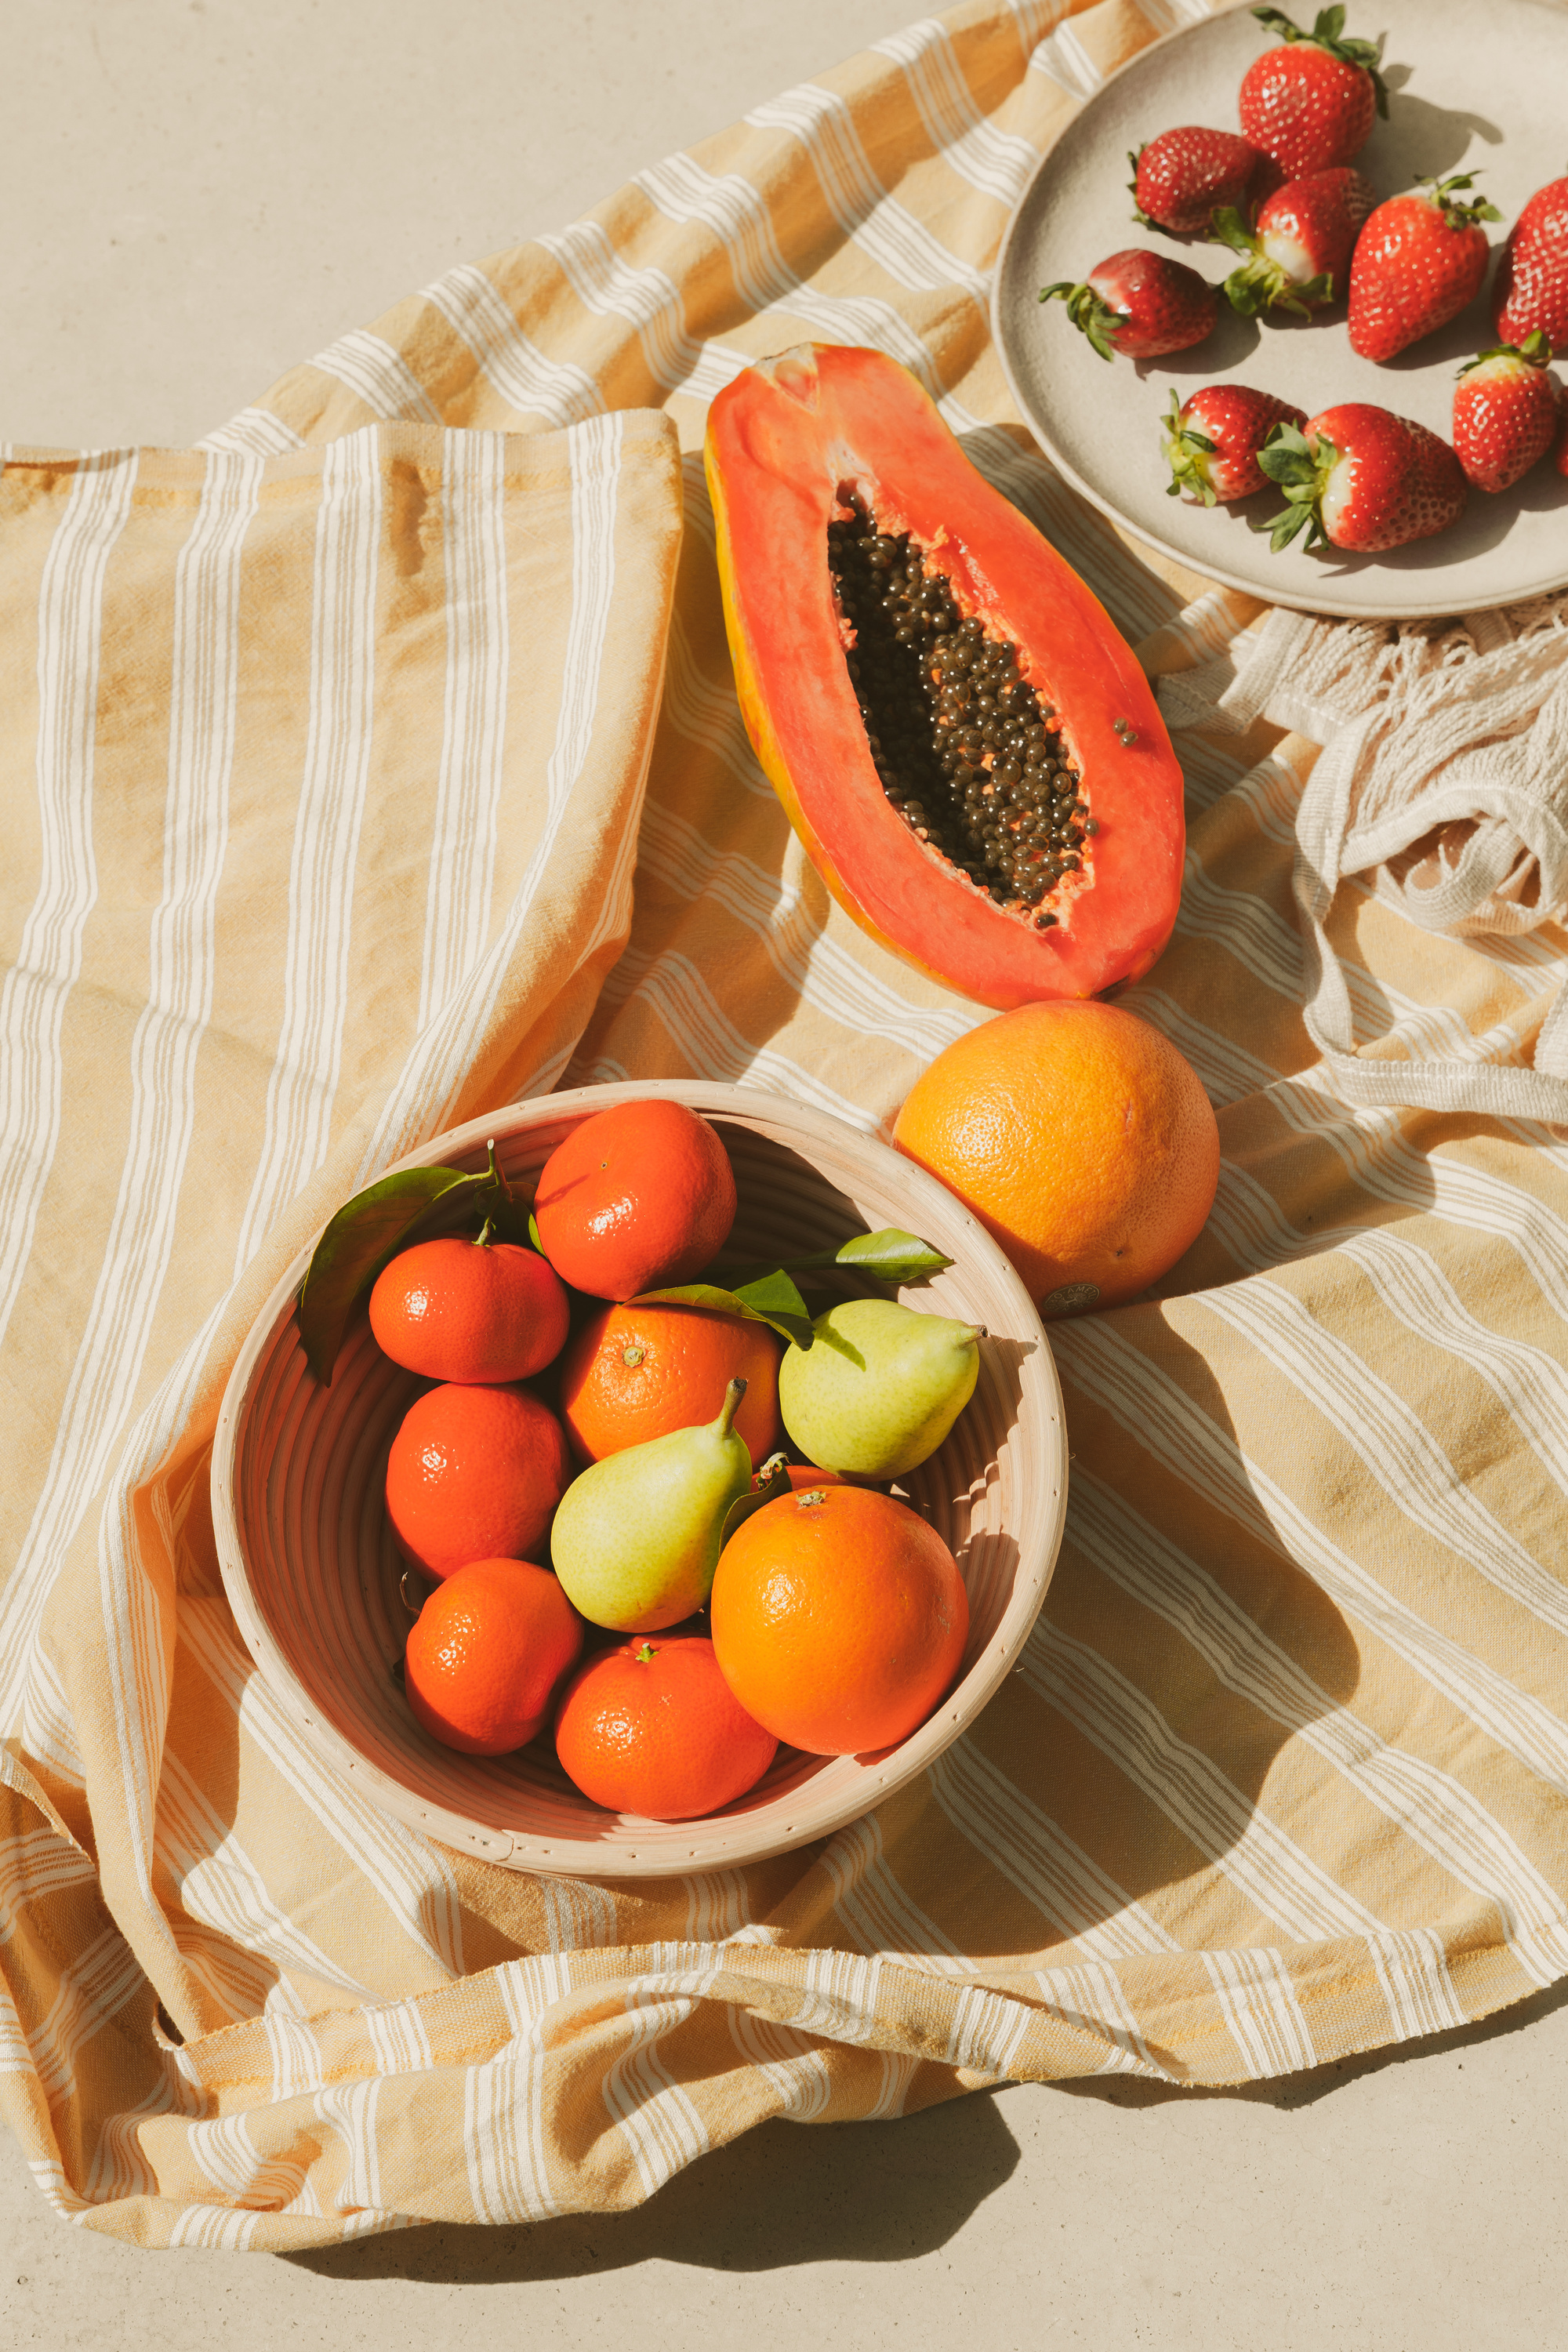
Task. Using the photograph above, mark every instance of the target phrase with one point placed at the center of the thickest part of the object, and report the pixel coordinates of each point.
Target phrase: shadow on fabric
(778, 2197)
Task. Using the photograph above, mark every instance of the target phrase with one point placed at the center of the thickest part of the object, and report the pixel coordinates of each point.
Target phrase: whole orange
(636, 1372)
(1082, 1140)
(474, 1474)
(638, 1197)
(486, 1654)
(652, 1728)
(840, 1618)
(462, 1310)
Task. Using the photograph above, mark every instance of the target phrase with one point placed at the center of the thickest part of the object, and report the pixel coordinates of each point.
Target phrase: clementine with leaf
(463, 1310)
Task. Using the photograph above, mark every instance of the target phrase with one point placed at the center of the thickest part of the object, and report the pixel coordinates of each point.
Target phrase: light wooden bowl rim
(724, 1841)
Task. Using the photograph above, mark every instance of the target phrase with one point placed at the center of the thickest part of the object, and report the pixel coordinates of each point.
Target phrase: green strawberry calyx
(1454, 214)
(1535, 351)
(1135, 156)
(1188, 451)
(1261, 283)
(1301, 471)
(1090, 314)
(1328, 32)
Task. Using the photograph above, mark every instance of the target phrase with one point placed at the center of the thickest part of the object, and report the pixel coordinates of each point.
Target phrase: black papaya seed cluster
(967, 752)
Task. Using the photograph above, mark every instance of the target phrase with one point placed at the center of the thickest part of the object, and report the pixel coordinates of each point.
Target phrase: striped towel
(378, 763)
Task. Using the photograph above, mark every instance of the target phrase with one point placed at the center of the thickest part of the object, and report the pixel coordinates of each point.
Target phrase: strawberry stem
(1458, 216)
(1535, 350)
(1290, 462)
(1089, 312)
(1135, 157)
(1328, 34)
(1186, 448)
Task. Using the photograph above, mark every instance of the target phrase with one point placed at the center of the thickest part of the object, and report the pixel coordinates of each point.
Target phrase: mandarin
(1082, 1139)
(653, 1728)
(636, 1372)
(638, 1196)
(474, 1474)
(486, 1654)
(840, 1618)
(470, 1311)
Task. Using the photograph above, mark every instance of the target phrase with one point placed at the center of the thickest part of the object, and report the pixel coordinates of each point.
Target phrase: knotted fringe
(1443, 768)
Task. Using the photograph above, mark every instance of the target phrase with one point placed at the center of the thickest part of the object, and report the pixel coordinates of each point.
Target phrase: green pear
(635, 1539)
(880, 1387)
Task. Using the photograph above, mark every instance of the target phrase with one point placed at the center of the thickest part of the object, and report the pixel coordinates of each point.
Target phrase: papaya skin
(781, 439)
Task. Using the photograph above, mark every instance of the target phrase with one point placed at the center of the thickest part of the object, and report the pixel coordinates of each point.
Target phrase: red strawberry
(1361, 478)
(1505, 413)
(1418, 262)
(1530, 291)
(1181, 176)
(1300, 249)
(1212, 440)
(1139, 303)
(1310, 104)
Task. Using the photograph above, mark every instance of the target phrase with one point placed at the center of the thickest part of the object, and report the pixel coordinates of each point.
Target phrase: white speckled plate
(1474, 85)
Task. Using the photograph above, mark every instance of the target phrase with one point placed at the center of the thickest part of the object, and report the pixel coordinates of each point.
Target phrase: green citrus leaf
(774, 1294)
(892, 1255)
(365, 1236)
(367, 1233)
(789, 1325)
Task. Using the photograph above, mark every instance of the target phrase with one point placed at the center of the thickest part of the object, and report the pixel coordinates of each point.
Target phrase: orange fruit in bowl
(1082, 1139)
(840, 1618)
(652, 1728)
(486, 1654)
(639, 1197)
(470, 1311)
(474, 1474)
(636, 1372)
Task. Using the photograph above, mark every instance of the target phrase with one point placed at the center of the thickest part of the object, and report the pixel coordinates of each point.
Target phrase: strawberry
(1505, 413)
(1310, 104)
(1530, 291)
(1139, 303)
(1182, 175)
(1417, 264)
(1212, 440)
(1361, 478)
(1300, 247)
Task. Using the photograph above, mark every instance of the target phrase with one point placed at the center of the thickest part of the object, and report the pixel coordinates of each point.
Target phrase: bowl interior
(314, 1576)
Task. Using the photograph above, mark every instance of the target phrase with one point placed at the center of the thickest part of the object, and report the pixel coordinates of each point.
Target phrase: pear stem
(732, 1395)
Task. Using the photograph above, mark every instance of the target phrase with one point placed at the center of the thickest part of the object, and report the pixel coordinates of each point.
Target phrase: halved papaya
(957, 731)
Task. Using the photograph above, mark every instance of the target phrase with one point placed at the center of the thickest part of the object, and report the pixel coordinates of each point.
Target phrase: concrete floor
(197, 194)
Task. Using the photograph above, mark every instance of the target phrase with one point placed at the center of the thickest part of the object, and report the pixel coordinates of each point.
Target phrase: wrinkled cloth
(379, 762)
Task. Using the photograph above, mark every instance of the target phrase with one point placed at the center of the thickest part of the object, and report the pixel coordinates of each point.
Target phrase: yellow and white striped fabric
(379, 762)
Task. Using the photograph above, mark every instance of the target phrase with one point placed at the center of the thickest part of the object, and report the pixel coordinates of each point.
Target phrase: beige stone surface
(1411, 2203)
(196, 194)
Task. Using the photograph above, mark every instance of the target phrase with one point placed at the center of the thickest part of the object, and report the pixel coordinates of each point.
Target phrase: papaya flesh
(959, 732)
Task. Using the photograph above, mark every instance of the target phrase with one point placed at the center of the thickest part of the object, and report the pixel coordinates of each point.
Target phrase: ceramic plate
(1475, 84)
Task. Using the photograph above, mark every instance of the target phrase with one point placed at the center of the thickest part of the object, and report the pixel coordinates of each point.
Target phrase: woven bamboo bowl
(312, 1574)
